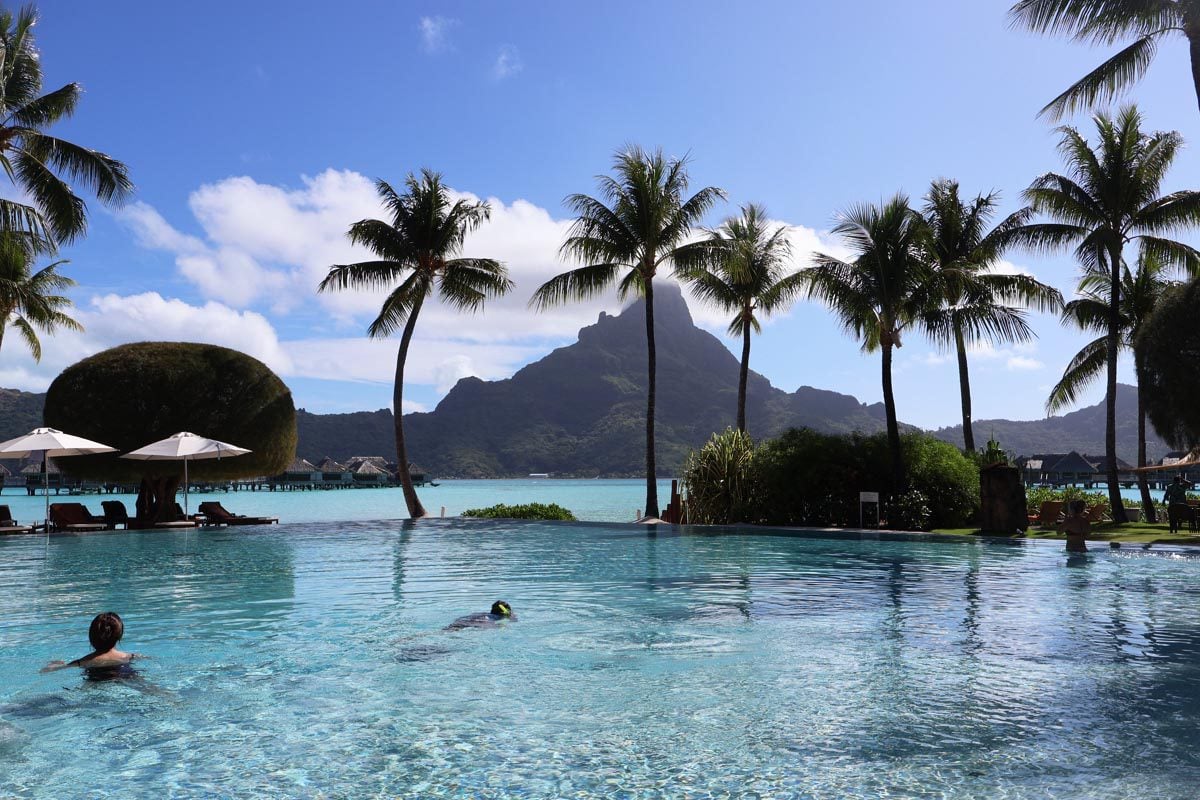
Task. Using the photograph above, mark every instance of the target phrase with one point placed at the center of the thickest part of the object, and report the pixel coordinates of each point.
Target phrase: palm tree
(28, 299)
(32, 159)
(742, 267)
(1105, 22)
(638, 225)
(883, 290)
(1110, 197)
(978, 305)
(416, 252)
(1140, 295)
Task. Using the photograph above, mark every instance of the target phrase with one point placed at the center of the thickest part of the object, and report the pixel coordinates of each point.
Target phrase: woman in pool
(1077, 527)
(500, 611)
(105, 662)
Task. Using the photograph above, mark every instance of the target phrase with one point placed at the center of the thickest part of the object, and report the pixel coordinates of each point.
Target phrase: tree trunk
(1143, 484)
(964, 389)
(1110, 400)
(1194, 42)
(651, 476)
(156, 501)
(415, 509)
(742, 378)
(893, 429)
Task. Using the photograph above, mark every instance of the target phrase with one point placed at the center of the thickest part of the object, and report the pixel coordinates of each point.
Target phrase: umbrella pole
(46, 489)
(185, 487)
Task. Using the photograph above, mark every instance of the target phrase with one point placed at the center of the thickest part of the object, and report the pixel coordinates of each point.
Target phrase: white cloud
(1023, 363)
(508, 62)
(434, 33)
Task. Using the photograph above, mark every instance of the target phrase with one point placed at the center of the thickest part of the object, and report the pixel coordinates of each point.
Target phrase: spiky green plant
(34, 160)
(417, 252)
(977, 303)
(636, 226)
(1106, 22)
(742, 267)
(720, 480)
(1109, 197)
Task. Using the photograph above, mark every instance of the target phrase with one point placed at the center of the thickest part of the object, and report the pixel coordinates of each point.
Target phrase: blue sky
(253, 131)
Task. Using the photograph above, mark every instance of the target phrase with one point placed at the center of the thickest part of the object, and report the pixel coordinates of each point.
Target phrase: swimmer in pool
(500, 611)
(105, 662)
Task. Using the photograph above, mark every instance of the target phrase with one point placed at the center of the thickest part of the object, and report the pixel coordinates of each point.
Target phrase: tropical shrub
(721, 480)
(1037, 495)
(542, 511)
(813, 479)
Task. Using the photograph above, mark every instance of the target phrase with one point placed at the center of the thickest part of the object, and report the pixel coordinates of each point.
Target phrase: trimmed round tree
(1168, 364)
(135, 394)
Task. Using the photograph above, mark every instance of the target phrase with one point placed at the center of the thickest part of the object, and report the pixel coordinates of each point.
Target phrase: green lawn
(1131, 532)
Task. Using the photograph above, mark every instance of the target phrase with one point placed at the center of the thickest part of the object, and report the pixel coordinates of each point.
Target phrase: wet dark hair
(501, 609)
(107, 629)
(1078, 506)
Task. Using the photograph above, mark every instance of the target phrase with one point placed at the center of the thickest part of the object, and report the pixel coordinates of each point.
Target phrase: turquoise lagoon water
(597, 500)
(310, 661)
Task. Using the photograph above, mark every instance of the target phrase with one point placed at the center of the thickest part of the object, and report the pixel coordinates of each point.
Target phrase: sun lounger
(214, 512)
(10, 525)
(115, 514)
(74, 517)
(1048, 514)
(1095, 514)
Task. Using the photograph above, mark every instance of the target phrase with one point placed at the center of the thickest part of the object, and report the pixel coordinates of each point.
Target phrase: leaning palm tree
(742, 267)
(29, 300)
(638, 225)
(32, 159)
(977, 304)
(883, 290)
(1106, 22)
(1140, 295)
(1109, 197)
(416, 251)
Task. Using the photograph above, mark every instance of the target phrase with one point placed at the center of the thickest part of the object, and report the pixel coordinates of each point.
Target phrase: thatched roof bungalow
(301, 470)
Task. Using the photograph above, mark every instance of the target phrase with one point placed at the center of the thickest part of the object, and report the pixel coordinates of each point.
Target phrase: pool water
(310, 661)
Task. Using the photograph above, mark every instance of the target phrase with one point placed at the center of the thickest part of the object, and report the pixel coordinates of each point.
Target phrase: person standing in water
(105, 662)
(1077, 527)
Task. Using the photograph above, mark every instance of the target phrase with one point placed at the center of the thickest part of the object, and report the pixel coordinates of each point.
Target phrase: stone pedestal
(1003, 506)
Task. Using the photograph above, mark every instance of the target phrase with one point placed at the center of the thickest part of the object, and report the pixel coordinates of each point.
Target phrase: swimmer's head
(107, 629)
(501, 609)
(1078, 507)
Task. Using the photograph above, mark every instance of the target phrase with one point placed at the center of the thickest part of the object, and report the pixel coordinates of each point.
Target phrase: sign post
(863, 499)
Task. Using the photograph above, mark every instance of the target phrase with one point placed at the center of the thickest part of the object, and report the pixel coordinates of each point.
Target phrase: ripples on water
(310, 661)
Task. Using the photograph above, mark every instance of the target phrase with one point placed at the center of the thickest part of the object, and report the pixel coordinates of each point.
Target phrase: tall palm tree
(1105, 22)
(1089, 311)
(416, 251)
(29, 301)
(883, 290)
(32, 159)
(1109, 197)
(977, 304)
(638, 224)
(742, 267)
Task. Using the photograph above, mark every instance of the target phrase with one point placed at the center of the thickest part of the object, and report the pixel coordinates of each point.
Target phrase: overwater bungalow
(1070, 469)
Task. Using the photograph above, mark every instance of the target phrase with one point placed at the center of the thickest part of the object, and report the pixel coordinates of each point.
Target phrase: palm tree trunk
(1194, 42)
(893, 428)
(964, 389)
(742, 378)
(1143, 484)
(415, 509)
(1110, 401)
(651, 476)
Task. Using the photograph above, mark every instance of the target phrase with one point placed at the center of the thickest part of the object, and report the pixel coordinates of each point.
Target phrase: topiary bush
(721, 480)
(542, 511)
(135, 394)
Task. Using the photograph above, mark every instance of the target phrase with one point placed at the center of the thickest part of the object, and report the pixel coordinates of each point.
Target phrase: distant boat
(539, 474)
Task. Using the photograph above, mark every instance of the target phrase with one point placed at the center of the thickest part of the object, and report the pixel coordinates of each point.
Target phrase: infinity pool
(310, 661)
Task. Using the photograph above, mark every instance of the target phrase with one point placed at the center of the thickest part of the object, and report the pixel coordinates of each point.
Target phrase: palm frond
(1107, 81)
(577, 284)
(1085, 368)
(363, 275)
(404, 300)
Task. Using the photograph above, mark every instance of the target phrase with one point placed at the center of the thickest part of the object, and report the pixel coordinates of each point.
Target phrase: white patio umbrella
(185, 447)
(51, 444)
